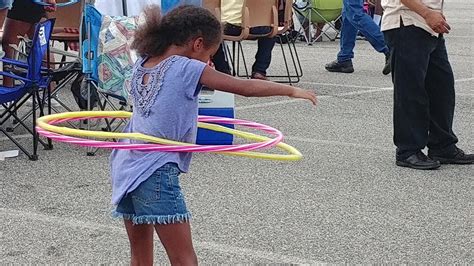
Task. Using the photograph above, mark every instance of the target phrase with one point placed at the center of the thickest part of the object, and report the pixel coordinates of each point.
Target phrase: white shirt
(394, 10)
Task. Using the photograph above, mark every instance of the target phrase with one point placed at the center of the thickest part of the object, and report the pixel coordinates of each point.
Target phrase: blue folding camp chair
(33, 84)
(68, 70)
(100, 92)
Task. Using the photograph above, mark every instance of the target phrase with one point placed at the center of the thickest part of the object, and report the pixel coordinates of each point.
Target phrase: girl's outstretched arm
(252, 87)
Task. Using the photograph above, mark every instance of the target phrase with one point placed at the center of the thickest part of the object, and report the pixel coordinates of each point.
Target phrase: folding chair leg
(331, 25)
(48, 93)
(296, 59)
(240, 50)
(286, 61)
(230, 56)
(52, 95)
(34, 156)
(27, 153)
(7, 115)
(109, 123)
(233, 60)
(303, 30)
(89, 149)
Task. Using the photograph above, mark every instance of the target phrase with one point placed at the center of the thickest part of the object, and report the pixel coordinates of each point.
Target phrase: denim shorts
(158, 200)
(6, 4)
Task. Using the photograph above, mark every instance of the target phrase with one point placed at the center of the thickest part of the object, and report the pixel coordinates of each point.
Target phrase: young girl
(165, 86)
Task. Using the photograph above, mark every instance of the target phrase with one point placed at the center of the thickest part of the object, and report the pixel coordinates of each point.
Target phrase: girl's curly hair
(178, 27)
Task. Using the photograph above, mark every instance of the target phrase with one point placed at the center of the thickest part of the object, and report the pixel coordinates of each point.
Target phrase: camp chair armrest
(70, 2)
(13, 76)
(55, 50)
(14, 62)
(19, 63)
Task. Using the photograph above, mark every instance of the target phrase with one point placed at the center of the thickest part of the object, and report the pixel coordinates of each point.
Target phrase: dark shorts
(26, 11)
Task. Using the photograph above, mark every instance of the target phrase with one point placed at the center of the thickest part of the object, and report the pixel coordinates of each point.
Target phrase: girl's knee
(188, 258)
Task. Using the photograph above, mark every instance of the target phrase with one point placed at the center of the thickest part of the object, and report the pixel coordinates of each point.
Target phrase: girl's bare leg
(141, 243)
(176, 239)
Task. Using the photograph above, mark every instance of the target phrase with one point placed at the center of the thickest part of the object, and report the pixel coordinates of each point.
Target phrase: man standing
(423, 84)
(354, 19)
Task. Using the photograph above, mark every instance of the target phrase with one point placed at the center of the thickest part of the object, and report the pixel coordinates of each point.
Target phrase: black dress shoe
(457, 157)
(419, 161)
(342, 67)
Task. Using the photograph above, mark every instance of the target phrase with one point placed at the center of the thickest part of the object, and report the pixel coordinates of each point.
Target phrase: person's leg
(160, 202)
(14, 28)
(343, 63)
(319, 32)
(220, 61)
(263, 57)
(5, 5)
(176, 238)
(141, 243)
(355, 20)
(140, 236)
(348, 35)
(3, 15)
(411, 49)
(362, 22)
(440, 86)
(20, 21)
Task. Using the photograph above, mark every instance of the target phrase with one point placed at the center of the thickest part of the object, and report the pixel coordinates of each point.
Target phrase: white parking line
(339, 85)
(459, 37)
(212, 246)
(338, 143)
(259, 105)
(464, 80)
(371, 90)
(22, 136)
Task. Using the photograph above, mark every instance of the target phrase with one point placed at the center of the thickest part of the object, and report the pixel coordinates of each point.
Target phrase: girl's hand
(304, 94)
(52, 6)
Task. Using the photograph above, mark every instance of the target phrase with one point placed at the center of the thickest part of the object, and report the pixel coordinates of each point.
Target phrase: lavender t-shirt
(165, 107)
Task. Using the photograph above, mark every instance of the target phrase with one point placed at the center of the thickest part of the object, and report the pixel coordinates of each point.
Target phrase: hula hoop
(174, 146)
(47, 128)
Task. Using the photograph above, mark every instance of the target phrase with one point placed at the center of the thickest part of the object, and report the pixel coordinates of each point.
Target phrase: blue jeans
(263, 57)
(354, 19)
(158, 200)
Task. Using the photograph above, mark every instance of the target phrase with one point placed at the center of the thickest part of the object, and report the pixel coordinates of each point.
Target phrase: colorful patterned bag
(116, 59)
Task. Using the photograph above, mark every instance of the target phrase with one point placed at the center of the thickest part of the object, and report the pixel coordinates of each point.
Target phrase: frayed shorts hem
(154, 219)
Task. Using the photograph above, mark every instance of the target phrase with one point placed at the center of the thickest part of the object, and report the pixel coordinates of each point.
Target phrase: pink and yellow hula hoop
(47, 127)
